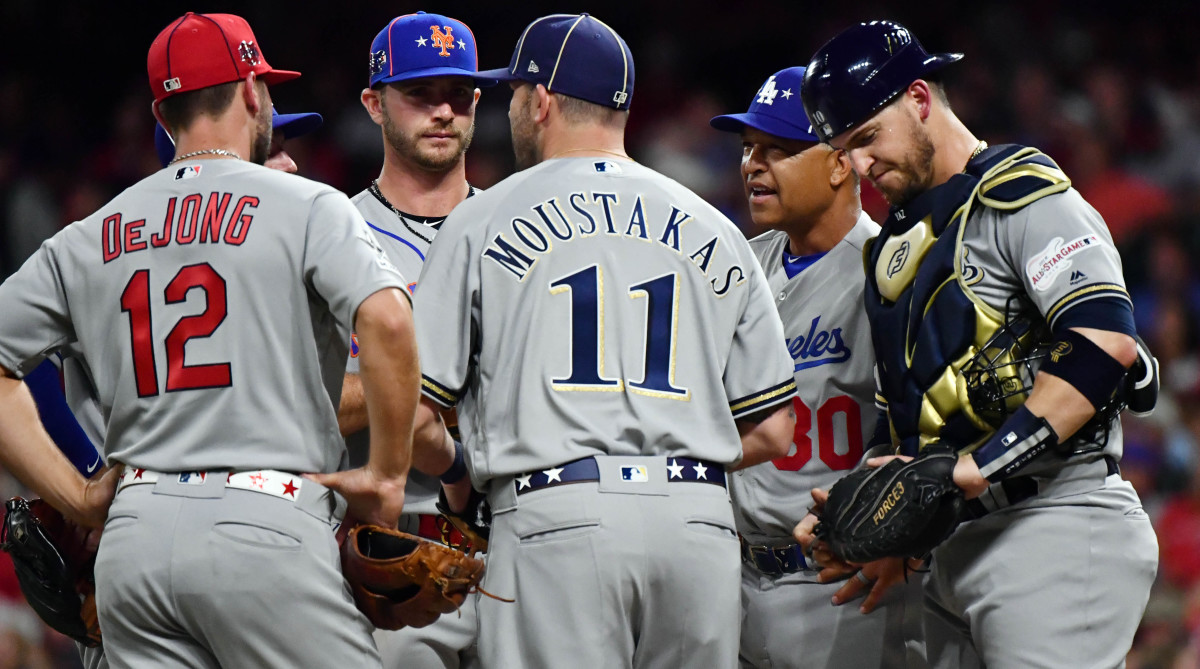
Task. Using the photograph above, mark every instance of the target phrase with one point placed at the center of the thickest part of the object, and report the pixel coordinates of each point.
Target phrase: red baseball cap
(201, 50)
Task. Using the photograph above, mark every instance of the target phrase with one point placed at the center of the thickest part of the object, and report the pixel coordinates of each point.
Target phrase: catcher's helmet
(861, 70)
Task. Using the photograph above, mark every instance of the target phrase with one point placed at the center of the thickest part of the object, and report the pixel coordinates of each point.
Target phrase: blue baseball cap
(291, 125)
(576, 55)
(776, 109)
(424, 45)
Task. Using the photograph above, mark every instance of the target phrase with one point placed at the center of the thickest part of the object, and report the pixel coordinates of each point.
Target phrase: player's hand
(98, 493)
(817, 552)
(371, 498)
(874, 579)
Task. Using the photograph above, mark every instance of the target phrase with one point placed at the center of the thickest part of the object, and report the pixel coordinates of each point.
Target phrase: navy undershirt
(793, 265)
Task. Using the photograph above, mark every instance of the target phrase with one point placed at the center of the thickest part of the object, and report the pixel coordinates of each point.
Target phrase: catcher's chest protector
(918, 286)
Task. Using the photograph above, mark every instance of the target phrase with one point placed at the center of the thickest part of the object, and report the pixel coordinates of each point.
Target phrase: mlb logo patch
(607, 167)
(188, 172)
(354, 345)
(192, 478)
(634, 474)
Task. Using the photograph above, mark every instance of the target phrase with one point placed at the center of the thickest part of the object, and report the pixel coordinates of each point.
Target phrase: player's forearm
(767, 439)
(433, 448)
(391, 380)
(29, 454)
(352, 411)
(1060, 403)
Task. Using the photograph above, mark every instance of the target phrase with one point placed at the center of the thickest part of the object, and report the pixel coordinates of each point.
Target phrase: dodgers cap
(200, 50)
(424, 45)
(776, 109)
(290, 125)
(576, 55)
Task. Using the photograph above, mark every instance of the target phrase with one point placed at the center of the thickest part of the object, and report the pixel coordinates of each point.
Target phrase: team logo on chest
(818, 347)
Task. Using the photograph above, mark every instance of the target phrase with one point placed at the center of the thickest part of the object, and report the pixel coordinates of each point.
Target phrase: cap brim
(273, 77)
(481, 79)
(295, 125)
(501, 74)
(767, 124)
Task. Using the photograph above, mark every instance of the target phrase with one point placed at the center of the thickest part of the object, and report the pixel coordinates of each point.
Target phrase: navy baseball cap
(776, 109)
(576, 55)
(424, 45)
(291, 125)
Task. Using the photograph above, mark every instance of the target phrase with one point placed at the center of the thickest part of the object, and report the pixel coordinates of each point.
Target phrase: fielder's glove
(54, 567)
(400, 580)
(474, 522)
(902, 509)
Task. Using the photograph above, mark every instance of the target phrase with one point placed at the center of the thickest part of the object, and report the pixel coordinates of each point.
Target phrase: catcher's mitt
(475, 521)
(902, 509)
(400, 580)
(54, 567)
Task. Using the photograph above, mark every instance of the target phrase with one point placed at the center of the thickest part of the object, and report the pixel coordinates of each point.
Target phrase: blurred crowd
(1111, 92)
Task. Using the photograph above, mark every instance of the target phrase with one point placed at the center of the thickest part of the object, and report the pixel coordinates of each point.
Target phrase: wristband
(1019, 440)
(457, 470)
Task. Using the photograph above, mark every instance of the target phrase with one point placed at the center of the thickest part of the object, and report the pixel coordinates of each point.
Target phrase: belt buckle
(764, 559)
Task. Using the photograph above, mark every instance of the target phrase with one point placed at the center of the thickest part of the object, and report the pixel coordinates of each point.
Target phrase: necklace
(611, 153)
(978, 150)
(409, 219)
(216, 152)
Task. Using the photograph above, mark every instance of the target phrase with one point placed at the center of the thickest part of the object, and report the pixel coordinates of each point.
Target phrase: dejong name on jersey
(595, 213)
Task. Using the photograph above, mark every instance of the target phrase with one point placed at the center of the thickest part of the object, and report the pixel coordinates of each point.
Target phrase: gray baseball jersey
(830, 345)
(617, 314)
(214, 319)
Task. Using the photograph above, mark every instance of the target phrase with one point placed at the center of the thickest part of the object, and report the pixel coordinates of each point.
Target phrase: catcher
(1041, 555)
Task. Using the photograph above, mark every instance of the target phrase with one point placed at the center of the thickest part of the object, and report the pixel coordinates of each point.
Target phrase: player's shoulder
(769, 244)
(1013, 177)
(865, 229)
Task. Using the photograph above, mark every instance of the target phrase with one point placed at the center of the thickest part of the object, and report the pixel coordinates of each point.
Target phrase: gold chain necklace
(611, 153)
(216, 152)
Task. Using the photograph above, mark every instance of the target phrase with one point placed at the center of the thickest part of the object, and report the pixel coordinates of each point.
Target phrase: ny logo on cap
(248, 52)
(442, 40)
(378, 60)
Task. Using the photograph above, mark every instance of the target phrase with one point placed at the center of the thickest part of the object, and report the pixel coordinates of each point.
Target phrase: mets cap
(424, 45)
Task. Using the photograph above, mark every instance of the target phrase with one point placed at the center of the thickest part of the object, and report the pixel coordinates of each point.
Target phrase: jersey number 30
(840, 404)
(135, 301)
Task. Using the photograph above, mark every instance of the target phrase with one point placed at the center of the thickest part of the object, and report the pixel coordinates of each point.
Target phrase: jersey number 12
(135, 301)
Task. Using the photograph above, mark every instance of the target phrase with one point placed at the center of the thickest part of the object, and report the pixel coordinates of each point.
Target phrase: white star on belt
(523, 481)
(700, 471)
(676, 469)
(553, 474)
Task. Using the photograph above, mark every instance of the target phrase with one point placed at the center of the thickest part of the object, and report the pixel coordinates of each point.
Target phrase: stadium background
(1109, 89)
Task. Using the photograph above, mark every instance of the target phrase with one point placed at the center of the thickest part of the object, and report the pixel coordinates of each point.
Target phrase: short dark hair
(576, 110)
(180, 111)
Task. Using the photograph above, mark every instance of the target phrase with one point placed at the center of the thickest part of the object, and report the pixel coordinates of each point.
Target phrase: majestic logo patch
(898, 259)
(378, 60)
(1043, 268)
(248, 52)
(442, 40)
(1077, 278)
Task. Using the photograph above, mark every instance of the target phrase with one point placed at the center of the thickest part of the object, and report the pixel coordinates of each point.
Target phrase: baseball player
(607, 337)
(987, 249)
(183, 295)
(66, 399)
(804, 195)
(422, 93)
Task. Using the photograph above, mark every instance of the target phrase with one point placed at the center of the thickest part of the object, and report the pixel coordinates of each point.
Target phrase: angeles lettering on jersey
(517, 249)
(188, 220)
(818, 347)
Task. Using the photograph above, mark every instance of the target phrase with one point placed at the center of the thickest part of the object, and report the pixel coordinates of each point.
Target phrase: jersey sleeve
(36, 316)
(1065, 256)
(445, 310)
(759, 373)
(343, 262)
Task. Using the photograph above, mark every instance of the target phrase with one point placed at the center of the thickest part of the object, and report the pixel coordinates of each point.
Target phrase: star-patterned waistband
(679, 470)
(268, 481)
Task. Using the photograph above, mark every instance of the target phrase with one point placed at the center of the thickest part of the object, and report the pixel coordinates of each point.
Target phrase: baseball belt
(679, 470)
(266, 481)
(774, 560)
